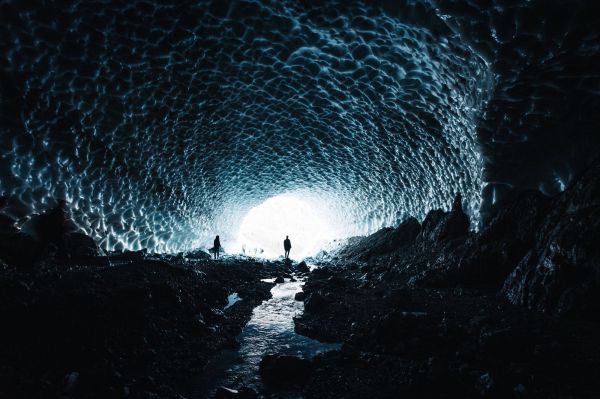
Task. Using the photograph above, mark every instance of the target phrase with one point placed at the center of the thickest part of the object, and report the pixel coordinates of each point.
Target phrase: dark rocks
(496, 251)
(397, 328)
(439, 225)
(321, 272)
(429, 319)
(300, 296)
(138, 330)
(22, 249)
(384, 241)
(198, 255)
(315, 302)
(281, 370)
(303, 267)
(80, 245)
(129, 256)
(18, 249)
(430, 230)
(561, 273)
(7, 224)
(279, 280)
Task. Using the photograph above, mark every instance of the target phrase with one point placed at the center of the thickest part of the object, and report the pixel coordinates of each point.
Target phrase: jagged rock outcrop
(495, 252)
(383, 241)
(544, 252)
(81, 245)
(439, 225)
(561, 272)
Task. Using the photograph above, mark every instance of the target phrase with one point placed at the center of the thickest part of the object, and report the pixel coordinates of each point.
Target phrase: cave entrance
(265, 226)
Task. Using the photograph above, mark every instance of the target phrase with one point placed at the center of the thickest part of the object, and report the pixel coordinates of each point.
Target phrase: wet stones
(302, 267)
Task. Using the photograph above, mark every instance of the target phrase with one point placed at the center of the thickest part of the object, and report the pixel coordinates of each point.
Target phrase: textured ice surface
(164, 122)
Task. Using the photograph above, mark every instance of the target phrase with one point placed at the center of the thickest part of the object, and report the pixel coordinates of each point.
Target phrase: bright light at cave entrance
(265, 226)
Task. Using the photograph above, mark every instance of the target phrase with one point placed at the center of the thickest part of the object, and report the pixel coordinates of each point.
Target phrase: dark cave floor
(147, 327)
(440, 342)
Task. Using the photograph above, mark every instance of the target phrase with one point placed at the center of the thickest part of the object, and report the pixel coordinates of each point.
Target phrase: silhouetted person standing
(217, 247)
(287, 245)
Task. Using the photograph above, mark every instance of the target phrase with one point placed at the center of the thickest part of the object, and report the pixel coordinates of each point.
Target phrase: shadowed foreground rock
(283, 371)
(140, 329)
(560, 273)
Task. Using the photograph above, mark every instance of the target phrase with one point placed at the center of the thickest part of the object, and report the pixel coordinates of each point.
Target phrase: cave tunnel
(162, 123)
(435, 163)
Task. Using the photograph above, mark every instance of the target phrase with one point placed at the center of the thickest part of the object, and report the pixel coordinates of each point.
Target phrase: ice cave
(435, 164)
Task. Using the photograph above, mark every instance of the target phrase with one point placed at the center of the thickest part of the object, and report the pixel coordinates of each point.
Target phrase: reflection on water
(270, 330)
(231, 300)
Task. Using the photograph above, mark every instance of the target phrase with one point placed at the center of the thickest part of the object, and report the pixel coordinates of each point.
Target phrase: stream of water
(270, 330)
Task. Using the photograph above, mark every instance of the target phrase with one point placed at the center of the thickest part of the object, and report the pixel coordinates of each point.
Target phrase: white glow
(265, 227)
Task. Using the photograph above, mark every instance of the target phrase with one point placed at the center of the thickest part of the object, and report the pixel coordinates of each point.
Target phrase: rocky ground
(140, 328)
(440, 342)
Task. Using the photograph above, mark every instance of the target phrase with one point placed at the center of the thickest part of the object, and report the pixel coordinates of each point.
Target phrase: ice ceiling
(164, 122)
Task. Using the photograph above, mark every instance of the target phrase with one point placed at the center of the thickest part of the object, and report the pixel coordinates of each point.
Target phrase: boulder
(279, 280)
(284, 370)
(300, 296)
(81, 245)
(321, 273)
(303, 267)
(315, 302)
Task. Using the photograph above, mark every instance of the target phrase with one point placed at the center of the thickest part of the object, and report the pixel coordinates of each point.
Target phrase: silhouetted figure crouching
(216, 247)
(287, 245)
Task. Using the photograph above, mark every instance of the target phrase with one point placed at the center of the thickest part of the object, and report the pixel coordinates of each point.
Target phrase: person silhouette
(217, 247)
(287, 245)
